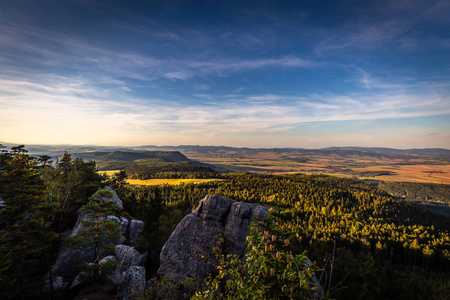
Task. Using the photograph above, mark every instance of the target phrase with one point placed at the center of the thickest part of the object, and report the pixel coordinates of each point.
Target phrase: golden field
(408, 168)
(167, 181)
(159, 181)
(109, 173)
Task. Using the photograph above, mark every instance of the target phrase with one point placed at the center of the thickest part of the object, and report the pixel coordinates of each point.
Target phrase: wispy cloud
(368, 36)
(371, 82)
(386, 23)
(42, 47)
(73, 106)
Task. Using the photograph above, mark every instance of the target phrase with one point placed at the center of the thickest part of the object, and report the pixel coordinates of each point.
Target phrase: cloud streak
(30, 45)
(73, 106)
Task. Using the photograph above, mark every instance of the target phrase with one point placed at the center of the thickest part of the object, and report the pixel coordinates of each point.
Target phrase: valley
(361, 164)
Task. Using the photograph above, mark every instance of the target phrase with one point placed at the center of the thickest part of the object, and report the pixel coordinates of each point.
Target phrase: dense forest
(41, 201)
(370, 244)
(433, 196)
(413, 191)
(383, 248)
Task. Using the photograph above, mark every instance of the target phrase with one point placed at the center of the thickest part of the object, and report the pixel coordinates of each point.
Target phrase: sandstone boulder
(132, 285)
(135, 230)
(128, 257)
(114, 197)
(189, 252)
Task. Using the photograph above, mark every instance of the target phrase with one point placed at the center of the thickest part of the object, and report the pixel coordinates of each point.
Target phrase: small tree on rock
(98, 235)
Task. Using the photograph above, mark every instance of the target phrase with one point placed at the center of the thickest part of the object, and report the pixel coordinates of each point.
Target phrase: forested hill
(143, 164)
(173, 156)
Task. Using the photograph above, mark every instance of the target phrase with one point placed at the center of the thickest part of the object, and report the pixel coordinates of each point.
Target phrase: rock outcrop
(127, 257)
(115, 199)
(189, 252)
(132, 285)
(65, 271)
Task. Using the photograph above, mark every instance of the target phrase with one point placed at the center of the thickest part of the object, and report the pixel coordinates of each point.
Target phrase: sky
(307, 74)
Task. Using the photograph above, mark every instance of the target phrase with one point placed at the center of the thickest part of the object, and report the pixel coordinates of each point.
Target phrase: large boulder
(114, 197)
(132, 285)
(189, 252)
(135, 230)
(130, 229)
(128, 257)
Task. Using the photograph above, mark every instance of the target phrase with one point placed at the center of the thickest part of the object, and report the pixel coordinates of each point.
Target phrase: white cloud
(66, 109)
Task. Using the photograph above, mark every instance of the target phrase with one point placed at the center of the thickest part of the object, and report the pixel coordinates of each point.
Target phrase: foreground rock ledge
(189, 251)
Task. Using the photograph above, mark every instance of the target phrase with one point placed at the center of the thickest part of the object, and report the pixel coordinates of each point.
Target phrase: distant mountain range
(436, 151)
(55, 150)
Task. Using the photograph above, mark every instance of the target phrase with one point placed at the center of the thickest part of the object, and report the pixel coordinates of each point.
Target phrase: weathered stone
(128, 257)
(123, 224)
(237, 227)
(116, 276)
(113, 278)
(135, 230)
(114, 198)
(189, 252)
(132, 285)
(69, 259)
(2, 206)
(130, 230)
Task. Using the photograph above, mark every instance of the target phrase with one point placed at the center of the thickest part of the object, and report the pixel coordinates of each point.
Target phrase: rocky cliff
(189, 252)
(65, 274)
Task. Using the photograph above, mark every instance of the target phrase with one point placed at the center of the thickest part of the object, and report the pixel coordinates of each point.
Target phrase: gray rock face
(114, 278)
(189, 250)
(114, 198)
(135, 230)
(128, 257)
(132, 285)
(66, 267)
(130, 230)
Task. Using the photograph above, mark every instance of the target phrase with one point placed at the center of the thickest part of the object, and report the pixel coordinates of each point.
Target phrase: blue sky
(239, 73)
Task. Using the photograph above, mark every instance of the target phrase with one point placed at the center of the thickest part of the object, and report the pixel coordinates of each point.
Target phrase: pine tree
(98, 234)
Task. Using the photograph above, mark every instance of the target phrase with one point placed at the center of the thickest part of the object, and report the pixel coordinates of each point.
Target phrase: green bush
(270, 270)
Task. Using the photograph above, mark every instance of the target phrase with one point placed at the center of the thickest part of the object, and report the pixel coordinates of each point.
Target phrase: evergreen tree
(27, 237)
(98, 234)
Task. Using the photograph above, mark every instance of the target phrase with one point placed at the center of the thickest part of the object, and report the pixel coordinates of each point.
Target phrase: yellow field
(110, 172)
(157, 181)
(413, 173)
(412, 168)
(166, 181)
